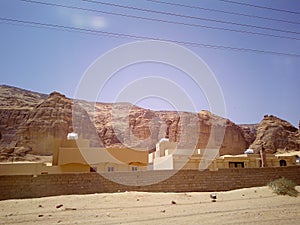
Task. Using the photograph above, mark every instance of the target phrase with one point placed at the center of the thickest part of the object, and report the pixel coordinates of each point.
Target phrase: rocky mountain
(276, 135)
(250, 131)
(15, 106)
(143, 128)
(35, 123)
(49, 123)
(12, 97)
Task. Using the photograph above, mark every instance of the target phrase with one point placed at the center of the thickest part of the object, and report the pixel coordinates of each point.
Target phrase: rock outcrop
(17, 98)
(233, 141)
(15, 105)
(276, 135)
(250, 131)
(50, 122)
(123, 124)
(38, 123)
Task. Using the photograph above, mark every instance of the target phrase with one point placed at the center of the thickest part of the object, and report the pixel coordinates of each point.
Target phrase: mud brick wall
(27, 186)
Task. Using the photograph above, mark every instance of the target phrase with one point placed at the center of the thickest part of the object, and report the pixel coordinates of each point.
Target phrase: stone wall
(26, 186)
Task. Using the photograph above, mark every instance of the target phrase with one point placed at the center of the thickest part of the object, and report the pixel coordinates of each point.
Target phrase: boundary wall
(33, 186)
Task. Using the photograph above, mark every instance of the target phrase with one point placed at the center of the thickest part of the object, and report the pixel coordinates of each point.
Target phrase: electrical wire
(137, 37)
(223, 11)
(159, 20)
(190, 17)
(260, 7)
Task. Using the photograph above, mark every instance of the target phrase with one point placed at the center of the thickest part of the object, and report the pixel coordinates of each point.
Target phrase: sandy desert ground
(245, 206)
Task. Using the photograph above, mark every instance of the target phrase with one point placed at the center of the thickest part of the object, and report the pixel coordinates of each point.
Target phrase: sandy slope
(245, 206)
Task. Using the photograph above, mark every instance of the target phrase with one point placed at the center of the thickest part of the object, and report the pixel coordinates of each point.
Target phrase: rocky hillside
(15, 106)
(276, 135)
(250, 131)
(49, 123)
(12, 97)
(35, 123)
(143, 128)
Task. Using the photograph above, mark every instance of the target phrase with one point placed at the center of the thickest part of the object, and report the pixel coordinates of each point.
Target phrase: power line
(137, 37)
(15, 23)
(261, 7)
(159, 20)
(190, 17)
(223, 11)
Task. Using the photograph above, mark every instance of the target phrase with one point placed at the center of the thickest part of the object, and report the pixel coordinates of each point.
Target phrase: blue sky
(253, 84)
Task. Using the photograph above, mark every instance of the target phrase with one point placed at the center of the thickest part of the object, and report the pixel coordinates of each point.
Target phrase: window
(93, 169)
(110, 169)
(282, 162)
(236, 165)
(134, 168)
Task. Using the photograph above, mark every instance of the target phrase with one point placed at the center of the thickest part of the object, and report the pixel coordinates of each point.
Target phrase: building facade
(168, 157)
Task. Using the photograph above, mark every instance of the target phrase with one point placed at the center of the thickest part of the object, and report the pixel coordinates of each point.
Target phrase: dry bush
(283, 186)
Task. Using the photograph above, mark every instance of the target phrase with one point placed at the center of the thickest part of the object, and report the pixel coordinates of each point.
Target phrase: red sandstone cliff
(276, 135)
(250, 131)
(49, 123)
(15, 105)
(39, 125)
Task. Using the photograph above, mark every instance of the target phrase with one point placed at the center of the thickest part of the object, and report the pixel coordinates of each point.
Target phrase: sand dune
(245, 206)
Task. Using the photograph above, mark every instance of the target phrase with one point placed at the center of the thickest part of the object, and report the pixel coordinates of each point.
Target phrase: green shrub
(283, 186)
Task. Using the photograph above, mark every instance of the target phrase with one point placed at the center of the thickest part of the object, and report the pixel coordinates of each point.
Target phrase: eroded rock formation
(276, 135)
(50, 122)
(15, 105)
(250, 131)
(39, 125)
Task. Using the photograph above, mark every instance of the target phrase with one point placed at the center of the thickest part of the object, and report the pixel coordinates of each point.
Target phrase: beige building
(72, 158)
(69, 158)
(168, 157)
(251, 161)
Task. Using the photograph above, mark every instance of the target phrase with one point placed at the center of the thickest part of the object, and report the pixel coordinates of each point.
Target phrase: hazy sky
(43, 59)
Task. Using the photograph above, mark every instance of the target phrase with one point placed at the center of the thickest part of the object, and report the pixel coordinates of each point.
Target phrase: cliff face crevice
(250, 132)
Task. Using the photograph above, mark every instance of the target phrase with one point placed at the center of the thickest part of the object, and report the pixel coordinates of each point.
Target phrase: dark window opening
(110, 169)
(93, 169)
(134, 168)
(236, 165)
(282, 162)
